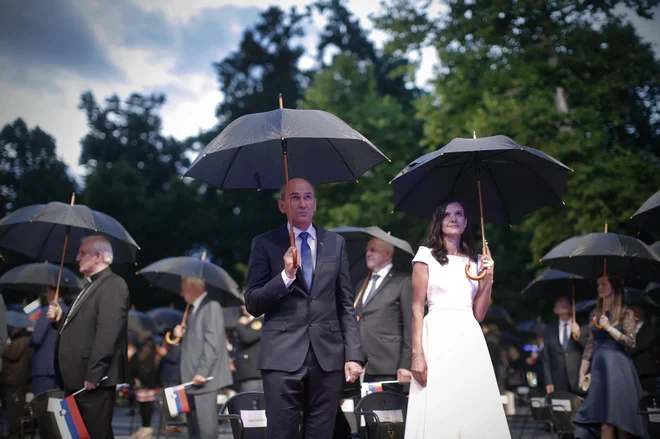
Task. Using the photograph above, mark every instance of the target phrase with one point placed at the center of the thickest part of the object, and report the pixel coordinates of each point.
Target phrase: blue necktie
(307, 265)
(565, 341)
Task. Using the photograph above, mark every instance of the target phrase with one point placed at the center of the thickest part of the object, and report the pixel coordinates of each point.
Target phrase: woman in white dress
(453, 393)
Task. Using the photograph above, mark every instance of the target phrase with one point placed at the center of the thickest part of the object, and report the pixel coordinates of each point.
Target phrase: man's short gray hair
(100, 244)
(199, 283)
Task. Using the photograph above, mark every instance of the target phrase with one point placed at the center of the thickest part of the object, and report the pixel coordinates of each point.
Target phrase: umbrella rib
(499, 193)
(342, 158)
(231, 163)
(43, 246)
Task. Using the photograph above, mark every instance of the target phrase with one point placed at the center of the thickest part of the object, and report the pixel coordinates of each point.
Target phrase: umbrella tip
(357, 181)
(392, 212)
(474, 134)
(204, 255)
(181, 177)
(73, 198)
(563, 202)
(281, 102)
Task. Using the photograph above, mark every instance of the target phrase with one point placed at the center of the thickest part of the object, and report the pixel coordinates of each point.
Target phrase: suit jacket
(296, 316)
(386, 325)
(248, 342)
(94, 342)
(562, 369)
(17, 358)
(3, 327)
(43, 341)
(203, 348)
(644, 352)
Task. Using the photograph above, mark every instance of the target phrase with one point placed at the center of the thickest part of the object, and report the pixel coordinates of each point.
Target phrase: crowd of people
(307, 333)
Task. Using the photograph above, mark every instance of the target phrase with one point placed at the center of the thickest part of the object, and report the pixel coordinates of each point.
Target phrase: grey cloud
(134, 26)
(208, 36)
(47, 34)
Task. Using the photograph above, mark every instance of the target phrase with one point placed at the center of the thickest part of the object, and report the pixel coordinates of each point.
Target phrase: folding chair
(562, 407)
(246, 412)
(649, 407)
(167, 420)
(384, 415)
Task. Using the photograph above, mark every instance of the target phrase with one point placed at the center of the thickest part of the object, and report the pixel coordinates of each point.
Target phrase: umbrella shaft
(59, 275)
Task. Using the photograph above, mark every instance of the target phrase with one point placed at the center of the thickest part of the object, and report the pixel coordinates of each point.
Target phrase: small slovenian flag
(33, 310)
(67, 417)
(177, 400)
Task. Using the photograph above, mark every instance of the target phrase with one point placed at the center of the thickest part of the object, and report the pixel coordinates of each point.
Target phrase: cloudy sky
(52, 51)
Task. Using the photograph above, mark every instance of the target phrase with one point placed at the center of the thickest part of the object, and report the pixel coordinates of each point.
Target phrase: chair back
(251, 408)
(649, 407)
(390, 408)
(536, 399)
(563, 407)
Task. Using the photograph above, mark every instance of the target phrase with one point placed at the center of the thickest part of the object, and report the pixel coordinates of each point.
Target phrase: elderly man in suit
(310, 333)
(645, 351)
(562, 354)
(203, 355)
(92, 338)
(385, 310)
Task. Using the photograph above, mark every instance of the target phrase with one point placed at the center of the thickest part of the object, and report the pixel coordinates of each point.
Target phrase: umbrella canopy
(18, 319)
(556, 283)
(167, 274)
(165, 319)
(531, 327)
(321, 148)
(647, 217)
(139, 322)
(634, 296)
(500, 317)
(585, 256)
(357, 239)
(515, 180)
(656, 247)
(38, 231)
(653, 290)
(34, 276)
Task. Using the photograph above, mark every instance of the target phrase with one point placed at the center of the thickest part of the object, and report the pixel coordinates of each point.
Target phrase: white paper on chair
(537, 402)
(565, 403)
(393, 416)
(253, 418)
(654, 415)
(348, 406)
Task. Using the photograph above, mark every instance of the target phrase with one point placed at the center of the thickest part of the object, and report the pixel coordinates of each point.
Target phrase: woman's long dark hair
(435, 239)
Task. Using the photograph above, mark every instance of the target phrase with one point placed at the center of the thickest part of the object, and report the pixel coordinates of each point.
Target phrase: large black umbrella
(594, 254)
(496, 179)
(140, 323)
(29, 277)
(357, 239)
(164, 318)
(53, 232)
(310, 144)
(647, 216)
(553, 284)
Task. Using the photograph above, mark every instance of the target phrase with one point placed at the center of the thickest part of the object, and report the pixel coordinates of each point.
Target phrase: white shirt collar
(311, 230)
(383, 271)
(198, 301)
(569, 322)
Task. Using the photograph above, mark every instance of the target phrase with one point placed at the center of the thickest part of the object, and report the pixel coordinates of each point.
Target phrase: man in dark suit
(248, 342)
(203, 354)
(562, 355)
(92, 338)
(645, 351)
(310, 333)
(385, 311)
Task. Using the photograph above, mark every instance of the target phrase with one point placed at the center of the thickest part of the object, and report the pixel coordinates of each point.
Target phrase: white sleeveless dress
(461, 398)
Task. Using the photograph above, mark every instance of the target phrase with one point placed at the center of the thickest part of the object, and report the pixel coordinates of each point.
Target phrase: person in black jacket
(645, 351)
(248, 340)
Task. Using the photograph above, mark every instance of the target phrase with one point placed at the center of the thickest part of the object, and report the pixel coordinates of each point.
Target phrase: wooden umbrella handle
(484, 271)
(168, 336)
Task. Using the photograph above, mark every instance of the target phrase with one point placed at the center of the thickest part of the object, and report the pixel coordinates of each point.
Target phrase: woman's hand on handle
(488, 263)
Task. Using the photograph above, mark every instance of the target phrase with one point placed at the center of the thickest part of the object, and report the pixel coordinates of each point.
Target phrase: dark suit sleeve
(405, 360)
(264, 288)
(3, 326)
(346, 312)
(247, 335)
(547, 364)
(110, 325)
(645, 339)
(214, 338)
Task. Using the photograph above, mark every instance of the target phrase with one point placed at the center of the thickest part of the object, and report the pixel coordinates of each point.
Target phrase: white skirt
(461, 398)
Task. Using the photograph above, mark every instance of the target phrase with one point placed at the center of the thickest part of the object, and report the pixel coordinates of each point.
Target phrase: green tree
(567, 77)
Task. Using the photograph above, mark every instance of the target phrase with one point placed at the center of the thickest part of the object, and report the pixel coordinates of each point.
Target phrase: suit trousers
(309, 390)
(96, 409)
(203, 416)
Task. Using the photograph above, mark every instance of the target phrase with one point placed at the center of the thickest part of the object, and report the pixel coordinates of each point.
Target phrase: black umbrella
(357, 239)
(43, 232)
(165, 319)
(653, 290)
(556, 283)
(595, 254)
(496, 179)
(500, 317)
(647, 217)
(312, 144)
(139, 322)
(638, 297)
(18, 319)
(167, 273)
(33, 276)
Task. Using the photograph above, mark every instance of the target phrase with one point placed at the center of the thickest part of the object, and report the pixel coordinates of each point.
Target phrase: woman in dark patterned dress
(615, 390)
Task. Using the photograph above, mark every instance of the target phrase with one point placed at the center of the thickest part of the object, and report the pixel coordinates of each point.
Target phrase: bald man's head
(300, 203)
(379, 253)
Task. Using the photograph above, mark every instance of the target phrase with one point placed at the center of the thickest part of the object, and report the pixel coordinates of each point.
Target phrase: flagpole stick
(59, 275)
(83, 389)
(287, 198)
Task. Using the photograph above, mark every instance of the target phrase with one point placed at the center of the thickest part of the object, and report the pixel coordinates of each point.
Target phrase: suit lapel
(320, 253)
(380, 287)
(92, 288)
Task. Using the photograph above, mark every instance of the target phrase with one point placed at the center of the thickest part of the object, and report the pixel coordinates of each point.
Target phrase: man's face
(301, 201)
(87, 259)
(188, 292)
(378, 254)
(563, 308)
